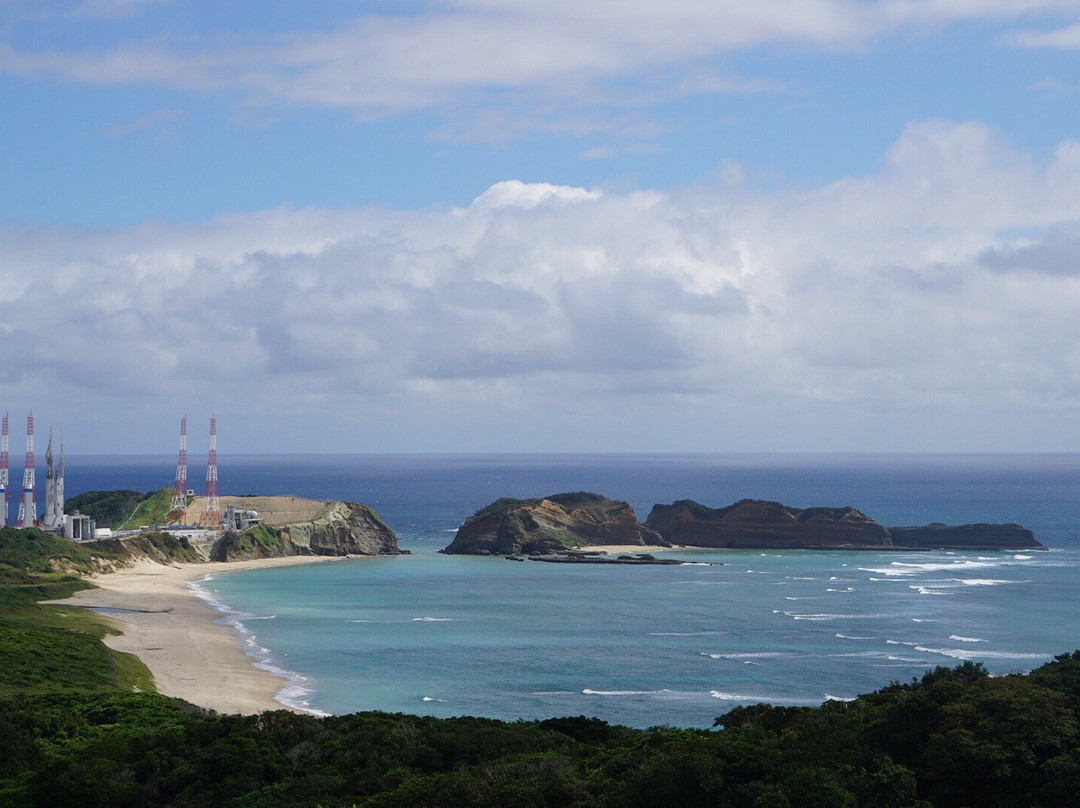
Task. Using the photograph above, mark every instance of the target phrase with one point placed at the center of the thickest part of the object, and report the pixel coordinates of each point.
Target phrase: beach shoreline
(179, 637)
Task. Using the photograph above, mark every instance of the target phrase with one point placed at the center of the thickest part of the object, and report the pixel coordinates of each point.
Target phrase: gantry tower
(178, 510)
(28, 506)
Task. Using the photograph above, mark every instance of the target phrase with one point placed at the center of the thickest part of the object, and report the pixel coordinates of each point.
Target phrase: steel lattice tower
(4, 473)
(28, 506)
(211, 516)
(178, 511)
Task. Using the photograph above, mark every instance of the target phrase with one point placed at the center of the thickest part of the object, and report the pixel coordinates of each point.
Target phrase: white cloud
(1063, 38)
(904, 289)
(463, 52)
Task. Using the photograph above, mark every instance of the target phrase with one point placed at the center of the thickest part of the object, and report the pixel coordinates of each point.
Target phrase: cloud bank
(947, 281)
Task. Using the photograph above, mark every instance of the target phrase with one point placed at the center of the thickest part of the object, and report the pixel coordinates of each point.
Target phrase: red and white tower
(211, 516)
(4, 473)
(28, 506)
(178, 511)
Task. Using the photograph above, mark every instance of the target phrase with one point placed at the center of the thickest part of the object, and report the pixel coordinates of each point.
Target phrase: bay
(443, 635)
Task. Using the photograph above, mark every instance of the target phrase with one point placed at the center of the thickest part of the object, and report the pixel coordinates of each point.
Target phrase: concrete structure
(239, 518)
(78, 527)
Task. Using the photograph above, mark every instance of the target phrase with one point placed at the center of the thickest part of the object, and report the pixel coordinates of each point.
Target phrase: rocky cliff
(523, 526)
(965, 537)
(756, 524)
(337, 529)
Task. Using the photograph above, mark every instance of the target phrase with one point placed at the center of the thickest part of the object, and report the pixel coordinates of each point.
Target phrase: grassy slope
(152, 510)
(106, 508)
(46, 648)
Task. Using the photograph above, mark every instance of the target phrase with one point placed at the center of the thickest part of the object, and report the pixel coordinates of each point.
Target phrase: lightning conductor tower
(211, 516)
(28, 506)
(178, 510)
(4, 473)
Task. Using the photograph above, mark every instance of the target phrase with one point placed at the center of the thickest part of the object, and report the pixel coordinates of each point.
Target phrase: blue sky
(469, 225)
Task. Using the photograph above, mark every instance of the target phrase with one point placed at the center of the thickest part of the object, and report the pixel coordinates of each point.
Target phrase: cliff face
(337, 529)
(755, 524)
(523, 526)
(969, 537)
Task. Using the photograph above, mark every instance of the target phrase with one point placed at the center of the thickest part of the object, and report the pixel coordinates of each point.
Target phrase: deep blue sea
(450, 635)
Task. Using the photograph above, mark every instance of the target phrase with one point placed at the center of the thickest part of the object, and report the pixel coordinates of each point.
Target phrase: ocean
(679, 645)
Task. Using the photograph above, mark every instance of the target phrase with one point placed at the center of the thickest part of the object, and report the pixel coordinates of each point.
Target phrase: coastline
(174, 631)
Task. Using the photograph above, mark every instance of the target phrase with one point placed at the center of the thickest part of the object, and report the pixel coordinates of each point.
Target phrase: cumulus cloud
(946, 278)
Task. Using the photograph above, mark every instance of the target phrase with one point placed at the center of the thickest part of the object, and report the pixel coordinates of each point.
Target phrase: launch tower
(28, 506)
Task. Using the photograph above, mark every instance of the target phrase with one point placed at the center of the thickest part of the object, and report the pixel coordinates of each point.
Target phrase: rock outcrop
(755, 524)
(548, 525)
(965, 537)
(337, 529)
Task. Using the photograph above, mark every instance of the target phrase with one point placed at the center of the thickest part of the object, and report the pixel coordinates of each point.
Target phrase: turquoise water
(445, 635)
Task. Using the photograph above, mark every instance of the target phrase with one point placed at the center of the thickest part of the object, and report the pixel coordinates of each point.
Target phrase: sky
(542, 225)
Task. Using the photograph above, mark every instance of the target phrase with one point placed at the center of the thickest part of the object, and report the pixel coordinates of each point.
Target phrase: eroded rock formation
(550, 524)
(756, 524)
(337, 529)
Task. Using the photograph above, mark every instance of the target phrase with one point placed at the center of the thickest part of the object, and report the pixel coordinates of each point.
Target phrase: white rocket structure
(4, 473)
(28, 505)
(54, 488)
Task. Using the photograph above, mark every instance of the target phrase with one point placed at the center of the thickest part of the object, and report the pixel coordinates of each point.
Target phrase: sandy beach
(633, 549)
(173, 632)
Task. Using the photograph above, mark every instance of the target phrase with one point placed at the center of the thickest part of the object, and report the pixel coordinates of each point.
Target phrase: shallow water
(451, 635)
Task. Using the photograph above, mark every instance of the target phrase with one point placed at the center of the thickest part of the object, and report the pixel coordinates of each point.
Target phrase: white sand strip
(173, 632)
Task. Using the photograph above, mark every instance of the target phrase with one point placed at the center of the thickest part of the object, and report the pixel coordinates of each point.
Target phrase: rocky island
(547, 526)
(757, 524)
(555, 528)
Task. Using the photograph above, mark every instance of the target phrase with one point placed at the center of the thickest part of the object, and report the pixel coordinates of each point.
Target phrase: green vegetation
(48, 648)
(953, 737)
(123, 510)
(106, 508)
(152, 510)
(258, 541)
(74, 732)
(704, 512)
(159, 545)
